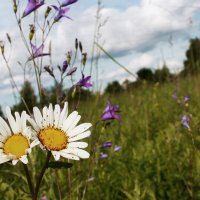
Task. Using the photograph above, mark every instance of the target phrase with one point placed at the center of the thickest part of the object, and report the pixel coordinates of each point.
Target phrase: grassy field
(158, 159)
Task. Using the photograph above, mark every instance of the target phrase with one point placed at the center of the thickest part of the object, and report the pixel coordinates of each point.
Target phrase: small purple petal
(67, 2)
(185, 121)
(71, 71)
(61, 12)
(106, 144)
(117, 148)
(44, 198)
(84, 82)
(103, 155)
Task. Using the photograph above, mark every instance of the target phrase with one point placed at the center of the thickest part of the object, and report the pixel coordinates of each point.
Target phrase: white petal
(24, 159)
(27, 132)
(12, 121)
(74, 123)
(77, 152)
(34, 143)
(56, 115)
(80, 136)
(51, 115)
(33, 123)
(3, 131)
(18, 122)
(5, 125)
(14, 162)
(69, 156)
(4, 159)
(23, 120)
(1, 144)
(79, 129)
(82, 153)
(81, 145)
(63, 115)
(2, 138)
(45, 120)
(70, 119)
(38, 116)
(56, 155)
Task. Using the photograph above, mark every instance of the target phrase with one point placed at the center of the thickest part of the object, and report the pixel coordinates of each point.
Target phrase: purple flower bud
(106, 144)
(103, 155)
(65, 65)
(186, 98)
(110, 112)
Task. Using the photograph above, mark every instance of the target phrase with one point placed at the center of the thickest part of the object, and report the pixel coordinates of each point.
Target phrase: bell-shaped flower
(110, 112)
(32, 6)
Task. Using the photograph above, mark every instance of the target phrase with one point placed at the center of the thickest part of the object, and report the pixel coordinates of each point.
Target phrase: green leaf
(58, 165)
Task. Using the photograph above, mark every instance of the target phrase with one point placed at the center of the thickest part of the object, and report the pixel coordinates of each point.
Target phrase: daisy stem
(37, 187)
(28, 177)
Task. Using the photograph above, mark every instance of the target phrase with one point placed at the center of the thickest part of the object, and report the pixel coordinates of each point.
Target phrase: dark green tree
(192, 62)
(27, 92)
(113, 88)
(145, 74)
(162, 75)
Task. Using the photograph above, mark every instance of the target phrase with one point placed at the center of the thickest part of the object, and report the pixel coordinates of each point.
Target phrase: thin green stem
(37, 187)
(28, 177)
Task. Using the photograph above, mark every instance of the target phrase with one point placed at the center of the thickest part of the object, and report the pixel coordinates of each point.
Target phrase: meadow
(143, 141)
(159, 158)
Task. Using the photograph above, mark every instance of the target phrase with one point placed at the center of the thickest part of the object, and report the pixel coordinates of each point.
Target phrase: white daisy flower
(15, 138)
(57, 132)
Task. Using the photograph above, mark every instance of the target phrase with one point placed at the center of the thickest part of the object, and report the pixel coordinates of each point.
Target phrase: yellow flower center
(53, 139)
(16, 145)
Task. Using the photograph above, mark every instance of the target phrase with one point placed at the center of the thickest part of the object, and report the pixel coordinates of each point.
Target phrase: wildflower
(110, 112)
(65, 65)
(117, 148)
(185, 121)
(44, 198)
(84, 82)
(15, 140)
(38, 52)
(61, 12)
(32, 6)
(186, 99)
(106, 144)
(103, 155)
(59, 133)
(67, 2)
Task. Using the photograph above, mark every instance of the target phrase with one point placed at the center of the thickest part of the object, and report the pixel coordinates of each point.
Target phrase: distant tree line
(191, 66)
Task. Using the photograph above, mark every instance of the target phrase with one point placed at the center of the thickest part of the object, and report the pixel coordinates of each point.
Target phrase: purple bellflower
(110, 112)
(103, 155)
(38, 52)
(185, 121)
(61, 12)
(117, 148)
(32, 6)
(107, 144)
(67, 2)
(84, 82)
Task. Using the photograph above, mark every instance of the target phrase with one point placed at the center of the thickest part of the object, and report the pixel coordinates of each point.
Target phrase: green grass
(158, 159)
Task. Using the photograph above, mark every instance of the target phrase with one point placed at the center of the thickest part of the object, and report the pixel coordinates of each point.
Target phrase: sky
(137, 33)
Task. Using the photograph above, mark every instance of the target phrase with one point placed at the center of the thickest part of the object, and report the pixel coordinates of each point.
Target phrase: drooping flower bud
(32, 31)
(48, 10)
